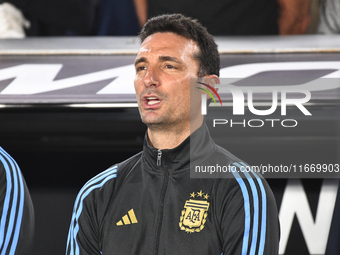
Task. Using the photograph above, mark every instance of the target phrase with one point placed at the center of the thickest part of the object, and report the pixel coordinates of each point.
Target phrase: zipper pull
(159, 157)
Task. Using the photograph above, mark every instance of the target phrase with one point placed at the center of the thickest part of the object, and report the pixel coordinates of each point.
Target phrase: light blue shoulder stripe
(17, 189)
(87, 184)
(84, 192)
(256, 211)
(95, 179)
(76, 213)
(20, 211)
(246, 211)
(264, 212)
(76, 229)
(6, 201)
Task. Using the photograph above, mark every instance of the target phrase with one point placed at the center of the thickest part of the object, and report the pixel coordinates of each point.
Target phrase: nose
(151, 78)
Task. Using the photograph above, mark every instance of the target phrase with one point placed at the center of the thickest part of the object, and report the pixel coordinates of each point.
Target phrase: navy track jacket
(149, 205)
(16, 209)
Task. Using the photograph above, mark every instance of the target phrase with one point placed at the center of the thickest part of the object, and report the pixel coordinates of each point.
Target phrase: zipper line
(159, 158)
(161, 207)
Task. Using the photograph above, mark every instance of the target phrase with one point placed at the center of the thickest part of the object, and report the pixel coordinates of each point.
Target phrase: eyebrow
(161, 58)
(169, 58)
(139, 60)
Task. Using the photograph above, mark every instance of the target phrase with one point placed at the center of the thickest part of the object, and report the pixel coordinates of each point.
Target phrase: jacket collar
(179, 158)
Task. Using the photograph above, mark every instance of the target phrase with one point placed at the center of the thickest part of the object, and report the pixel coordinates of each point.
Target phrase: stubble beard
(169, 119)
(153, 122)
(165, 122)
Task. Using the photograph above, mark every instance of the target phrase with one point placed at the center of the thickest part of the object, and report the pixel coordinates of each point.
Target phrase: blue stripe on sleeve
(84, 192)
(6, 201)
(89, 183)
(246, 211)
(256, 211)
(264, 212)
(15, 220)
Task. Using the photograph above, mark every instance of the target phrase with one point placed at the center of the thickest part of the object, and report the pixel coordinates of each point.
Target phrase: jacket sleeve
(84, 236)
(16, 209)
(249, 218)
(83, 233)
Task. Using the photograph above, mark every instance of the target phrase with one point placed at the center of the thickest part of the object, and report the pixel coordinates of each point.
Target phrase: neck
(170, 137)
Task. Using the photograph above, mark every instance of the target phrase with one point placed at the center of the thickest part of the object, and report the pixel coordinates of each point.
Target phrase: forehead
(168, 43)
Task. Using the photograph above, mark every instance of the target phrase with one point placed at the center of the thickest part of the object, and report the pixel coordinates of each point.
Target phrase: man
(16, 209)
(148, 204)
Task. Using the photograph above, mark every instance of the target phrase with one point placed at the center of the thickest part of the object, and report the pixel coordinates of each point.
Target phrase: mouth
(151, 101)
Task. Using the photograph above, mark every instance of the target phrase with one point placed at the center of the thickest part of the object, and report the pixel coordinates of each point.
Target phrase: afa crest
(195, 212)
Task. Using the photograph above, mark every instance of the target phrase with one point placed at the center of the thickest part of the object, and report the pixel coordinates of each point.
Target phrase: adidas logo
(129, 218)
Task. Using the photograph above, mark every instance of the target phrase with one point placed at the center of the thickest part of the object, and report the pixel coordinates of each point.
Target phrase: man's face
(164, 66)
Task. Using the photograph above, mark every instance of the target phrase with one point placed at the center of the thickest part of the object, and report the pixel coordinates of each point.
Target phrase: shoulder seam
(95, 183)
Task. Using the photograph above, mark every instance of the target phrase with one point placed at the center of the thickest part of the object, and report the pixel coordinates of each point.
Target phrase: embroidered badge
(195, 212)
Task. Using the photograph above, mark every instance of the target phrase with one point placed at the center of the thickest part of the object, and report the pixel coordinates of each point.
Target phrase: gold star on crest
(192, 194)
(206, 196)
(200, 194)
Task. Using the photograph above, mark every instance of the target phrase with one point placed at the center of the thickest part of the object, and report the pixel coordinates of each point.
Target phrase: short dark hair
(208, 56)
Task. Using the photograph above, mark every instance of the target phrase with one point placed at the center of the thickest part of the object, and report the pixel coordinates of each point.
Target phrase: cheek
(137, 85)
(183, 95)
(185, 88)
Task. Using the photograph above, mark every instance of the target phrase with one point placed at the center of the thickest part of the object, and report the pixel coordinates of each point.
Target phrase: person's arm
(141, 11)
(249, 218)
(329, 22)
(16, 209)
(83, 236)
(294, 16)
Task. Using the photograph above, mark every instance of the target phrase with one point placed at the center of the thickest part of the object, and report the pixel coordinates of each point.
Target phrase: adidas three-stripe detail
(12, 211)
(95, 183)
(259, 213)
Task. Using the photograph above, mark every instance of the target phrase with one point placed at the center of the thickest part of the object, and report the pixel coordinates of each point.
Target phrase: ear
(212, 80)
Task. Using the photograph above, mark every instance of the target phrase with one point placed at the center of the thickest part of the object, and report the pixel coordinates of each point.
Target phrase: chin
(153, 125)
(154, 122)
(150, 118)
(150, 121)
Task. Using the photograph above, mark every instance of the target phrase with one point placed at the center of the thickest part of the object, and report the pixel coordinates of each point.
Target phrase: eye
(140, 68)
(170, 66)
